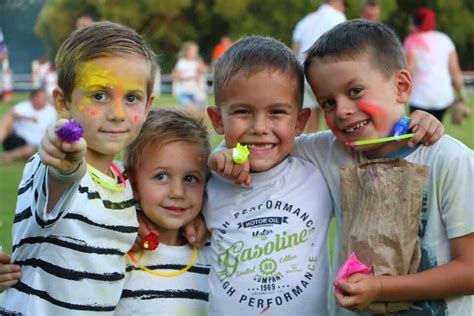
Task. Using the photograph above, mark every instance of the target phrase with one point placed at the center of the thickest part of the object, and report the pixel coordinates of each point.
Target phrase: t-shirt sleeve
(309, 147)
(457, 191)
(33, 195)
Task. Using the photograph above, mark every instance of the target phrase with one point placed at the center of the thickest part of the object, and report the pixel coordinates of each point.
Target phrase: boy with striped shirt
(75, 217)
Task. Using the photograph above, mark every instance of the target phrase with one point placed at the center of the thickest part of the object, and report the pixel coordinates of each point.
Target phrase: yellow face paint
(92, 77)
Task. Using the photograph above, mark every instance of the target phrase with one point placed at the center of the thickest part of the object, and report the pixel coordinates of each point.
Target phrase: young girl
(166, 165)
(189, 77)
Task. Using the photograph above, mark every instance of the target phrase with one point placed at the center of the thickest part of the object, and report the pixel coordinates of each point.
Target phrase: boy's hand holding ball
(63, 149)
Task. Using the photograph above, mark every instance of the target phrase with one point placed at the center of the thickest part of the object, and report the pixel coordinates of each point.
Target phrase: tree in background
(166, 24)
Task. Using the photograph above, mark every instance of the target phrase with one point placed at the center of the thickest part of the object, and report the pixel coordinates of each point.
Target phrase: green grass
(10, 174)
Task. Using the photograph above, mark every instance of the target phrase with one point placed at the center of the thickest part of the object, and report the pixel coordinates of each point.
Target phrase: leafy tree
(166, 24)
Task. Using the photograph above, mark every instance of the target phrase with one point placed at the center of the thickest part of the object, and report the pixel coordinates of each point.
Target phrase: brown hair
(354, 38)
(100, 39)
(253, 54)
(162, 126)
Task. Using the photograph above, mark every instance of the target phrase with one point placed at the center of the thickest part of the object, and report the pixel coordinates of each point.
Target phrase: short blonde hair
(100, 39)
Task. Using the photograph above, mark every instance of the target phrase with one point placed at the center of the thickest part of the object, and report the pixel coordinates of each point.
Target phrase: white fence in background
(22, 82)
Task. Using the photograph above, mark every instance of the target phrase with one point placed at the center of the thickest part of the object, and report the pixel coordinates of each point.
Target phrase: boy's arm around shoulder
(65, 161)
(427, 128)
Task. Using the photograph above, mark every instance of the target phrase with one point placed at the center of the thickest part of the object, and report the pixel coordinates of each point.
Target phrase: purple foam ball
(70, 132)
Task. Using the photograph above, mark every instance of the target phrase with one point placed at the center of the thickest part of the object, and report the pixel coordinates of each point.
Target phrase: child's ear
(404, 86)
(61, 104)
(301, 121)
(216, 119)
(149, 103)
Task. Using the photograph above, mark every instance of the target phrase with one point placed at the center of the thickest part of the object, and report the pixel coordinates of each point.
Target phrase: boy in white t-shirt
(363, 63)
(21, 129)
(269, 240)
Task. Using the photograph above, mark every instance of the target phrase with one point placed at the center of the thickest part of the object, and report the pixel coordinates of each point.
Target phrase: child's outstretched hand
(358, 292)
(427, 128)
(9, 273)
(64, 156)
(222, 163)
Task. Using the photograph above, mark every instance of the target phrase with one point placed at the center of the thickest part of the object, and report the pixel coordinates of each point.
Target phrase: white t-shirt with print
(270, 242)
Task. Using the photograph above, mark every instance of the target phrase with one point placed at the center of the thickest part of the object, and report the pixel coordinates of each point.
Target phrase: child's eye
(241, 112)
(132, 98)
(354, 92)
(99, 96)
(161, 177)
(278, 111)
(328, 105)
(192, 179)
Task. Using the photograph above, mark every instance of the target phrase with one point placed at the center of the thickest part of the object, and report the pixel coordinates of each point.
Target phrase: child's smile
(359, 101)
(260, 110)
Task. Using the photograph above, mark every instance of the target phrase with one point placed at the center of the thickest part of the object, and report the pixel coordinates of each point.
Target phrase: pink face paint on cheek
(136, 118)
(94, 112)
(379, 116)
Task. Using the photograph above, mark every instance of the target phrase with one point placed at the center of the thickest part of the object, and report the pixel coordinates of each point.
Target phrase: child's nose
(176, 190)
(260, 124)
(118, 106)
(345, 108)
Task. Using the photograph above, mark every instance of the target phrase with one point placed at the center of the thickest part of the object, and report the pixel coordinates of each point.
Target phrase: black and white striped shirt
(73, 258)
(185, 294)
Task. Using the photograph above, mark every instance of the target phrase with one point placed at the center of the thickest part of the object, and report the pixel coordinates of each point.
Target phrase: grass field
(10, 174)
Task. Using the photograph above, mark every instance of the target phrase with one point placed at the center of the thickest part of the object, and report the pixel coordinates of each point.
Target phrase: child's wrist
(70, 176)
(219, 148)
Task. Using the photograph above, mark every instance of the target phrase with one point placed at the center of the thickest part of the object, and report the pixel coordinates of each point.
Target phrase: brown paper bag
(381, 203)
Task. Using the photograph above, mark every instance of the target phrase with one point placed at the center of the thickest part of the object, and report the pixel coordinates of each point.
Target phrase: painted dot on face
(94, 112)
(135, 118)
(376, 112)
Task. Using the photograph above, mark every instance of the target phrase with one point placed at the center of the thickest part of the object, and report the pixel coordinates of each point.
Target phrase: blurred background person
(50, 82)
(433, 63)
(21, 128)
(370, 11)
(39, 69)
(84, 20)
(306, 32)
(7, 85)
(189, 78)
(224, 43)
